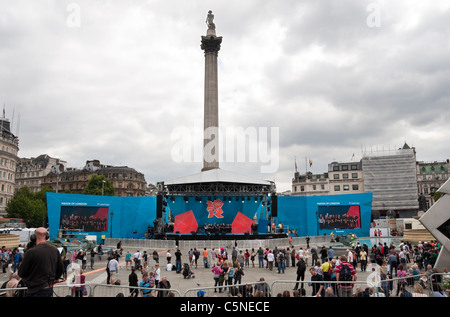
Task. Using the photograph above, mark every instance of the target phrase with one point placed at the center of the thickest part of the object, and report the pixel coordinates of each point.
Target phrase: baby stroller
(187, 272)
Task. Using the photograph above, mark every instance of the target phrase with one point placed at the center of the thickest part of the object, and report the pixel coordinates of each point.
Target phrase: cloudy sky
(122, 81)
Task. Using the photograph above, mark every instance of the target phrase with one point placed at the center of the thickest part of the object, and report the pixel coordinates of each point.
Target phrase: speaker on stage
(274, 205)
(159, 206)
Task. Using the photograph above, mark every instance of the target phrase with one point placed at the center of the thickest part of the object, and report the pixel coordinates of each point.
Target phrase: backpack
(345, 274)
(301, 266)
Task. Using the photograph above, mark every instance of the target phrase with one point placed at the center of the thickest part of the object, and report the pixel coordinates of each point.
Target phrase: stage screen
(339, 217)
(92, 219)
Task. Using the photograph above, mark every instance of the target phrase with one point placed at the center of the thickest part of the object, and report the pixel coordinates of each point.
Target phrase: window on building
(335, 168)
(346, 187)
(354, 167)
(355, 187)
(345, 167)
(345, 175)
(337, 188)
(336, 176)
(302, 188)
(354, 175)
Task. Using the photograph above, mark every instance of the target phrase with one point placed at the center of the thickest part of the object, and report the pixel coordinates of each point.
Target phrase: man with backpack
(346, 273)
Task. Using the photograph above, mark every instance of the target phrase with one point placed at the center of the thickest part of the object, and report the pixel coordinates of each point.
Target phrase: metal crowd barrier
(377, 287)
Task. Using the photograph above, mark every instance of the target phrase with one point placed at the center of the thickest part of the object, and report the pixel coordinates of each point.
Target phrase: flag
(353, 156)
(310, 163)
(295, 165)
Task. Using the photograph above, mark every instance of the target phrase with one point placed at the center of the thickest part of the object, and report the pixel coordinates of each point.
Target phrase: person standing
(157, 274)
(270, 260)
(363, 258)
(345, 272)
(205, 258)
(92, 258)
(133, 281)
(301, 269)
(178, 260)
(316, 283)
(42, 265)
(113, 267)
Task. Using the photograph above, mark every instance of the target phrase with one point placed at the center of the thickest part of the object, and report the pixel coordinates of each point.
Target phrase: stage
(224, 236)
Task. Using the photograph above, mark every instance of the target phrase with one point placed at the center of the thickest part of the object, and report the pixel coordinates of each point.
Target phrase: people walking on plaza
(205, 258)
(41, 266)
(128, 260)
(270, 260)
(330, 253)
(260, 257)
(157, 274)
(314, 256)
(217, 273)
(240, 258)
(281, 259)
(197, 256)
(155, 256)
(133, 282)
(323, 254)
(301, 269)
(345, 272)
(145, 285)
(238, 273)
(247, 256)
(168, 256)
(363, 259)
(229, 274)
(113, 267)
(163, 284)
(316, 283)
(253, 256)
(178, 263)
(293, 257)
(137, 259)
(92, 254)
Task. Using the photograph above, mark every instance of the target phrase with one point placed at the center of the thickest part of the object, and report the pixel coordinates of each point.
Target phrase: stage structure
(112, 216)
(214, 198)
(217, 201)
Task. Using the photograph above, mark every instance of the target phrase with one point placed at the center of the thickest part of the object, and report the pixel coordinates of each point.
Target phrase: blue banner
(120, 217)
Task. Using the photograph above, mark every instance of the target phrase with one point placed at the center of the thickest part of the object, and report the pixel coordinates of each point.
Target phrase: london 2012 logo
(214, 208)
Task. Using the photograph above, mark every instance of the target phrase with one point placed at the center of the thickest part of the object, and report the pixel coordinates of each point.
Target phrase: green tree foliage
(31, 207)
(98, 185)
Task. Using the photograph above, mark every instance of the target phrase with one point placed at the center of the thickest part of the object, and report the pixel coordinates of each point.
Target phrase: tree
(98, 185)
(29, 206)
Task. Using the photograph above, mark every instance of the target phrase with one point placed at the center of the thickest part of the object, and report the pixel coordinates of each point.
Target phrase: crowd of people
(401, 271)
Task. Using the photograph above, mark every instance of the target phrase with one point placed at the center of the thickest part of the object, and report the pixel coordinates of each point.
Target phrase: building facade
(401, 186)
(430, 177)
(31, 171)
(345, 178)
(310, 184)
(125, 180)
(9, 148)
(391, 177)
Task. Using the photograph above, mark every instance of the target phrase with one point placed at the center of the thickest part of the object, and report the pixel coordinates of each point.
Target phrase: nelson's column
(211, 46)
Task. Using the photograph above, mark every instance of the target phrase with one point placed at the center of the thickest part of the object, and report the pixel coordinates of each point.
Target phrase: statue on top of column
(209, 21)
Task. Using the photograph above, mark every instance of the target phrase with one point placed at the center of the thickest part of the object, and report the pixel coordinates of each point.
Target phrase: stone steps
(9, 240)
(415, 235)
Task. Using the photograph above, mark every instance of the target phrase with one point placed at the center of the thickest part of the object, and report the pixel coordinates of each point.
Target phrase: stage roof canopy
(216, 176)
(217, 182)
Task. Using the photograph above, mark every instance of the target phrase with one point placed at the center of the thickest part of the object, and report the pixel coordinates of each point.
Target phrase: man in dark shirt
(316, 283)
(41, 267)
